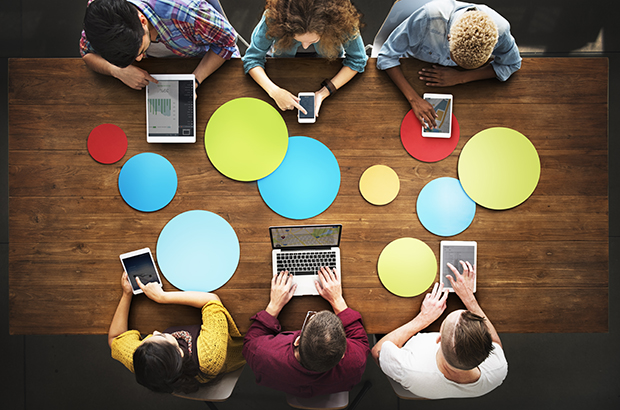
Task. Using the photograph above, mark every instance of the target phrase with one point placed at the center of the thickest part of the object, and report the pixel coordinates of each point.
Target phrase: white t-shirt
(415, 368)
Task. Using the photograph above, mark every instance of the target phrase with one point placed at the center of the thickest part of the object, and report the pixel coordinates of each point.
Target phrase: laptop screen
(312, 236)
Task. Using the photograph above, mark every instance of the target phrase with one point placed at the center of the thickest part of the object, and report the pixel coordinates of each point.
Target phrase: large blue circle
(444, 208)
(198, 250)
(147, 182)
(306, 182)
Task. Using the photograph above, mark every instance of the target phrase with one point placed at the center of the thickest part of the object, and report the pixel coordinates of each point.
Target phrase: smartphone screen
(443, 109)
(141, 265)
(307, 101)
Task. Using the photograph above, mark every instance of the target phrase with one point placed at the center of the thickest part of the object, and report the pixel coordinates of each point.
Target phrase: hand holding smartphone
(306, 100)
(442, 104)
(140, 264)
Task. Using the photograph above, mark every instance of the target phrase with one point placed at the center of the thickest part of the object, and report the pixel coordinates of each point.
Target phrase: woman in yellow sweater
(181, 358)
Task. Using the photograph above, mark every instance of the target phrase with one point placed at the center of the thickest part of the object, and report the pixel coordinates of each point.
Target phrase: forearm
(260, 76)
(482, 73)
(208, 65)
(401, 335)
(120, 320)
(100, 65)
(188, 298)
(397, 76)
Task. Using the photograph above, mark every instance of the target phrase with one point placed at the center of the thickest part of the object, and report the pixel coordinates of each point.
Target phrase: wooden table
(543, 266)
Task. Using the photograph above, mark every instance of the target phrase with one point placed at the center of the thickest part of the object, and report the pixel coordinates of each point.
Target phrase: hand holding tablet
(442, 104)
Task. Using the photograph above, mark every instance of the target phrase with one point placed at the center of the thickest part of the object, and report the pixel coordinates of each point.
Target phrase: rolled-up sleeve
(355, 54)
(256, 54)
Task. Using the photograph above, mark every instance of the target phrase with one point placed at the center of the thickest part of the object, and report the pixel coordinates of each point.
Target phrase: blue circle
(306, 182)
(147, 182)
(444, 208)
(198, 250)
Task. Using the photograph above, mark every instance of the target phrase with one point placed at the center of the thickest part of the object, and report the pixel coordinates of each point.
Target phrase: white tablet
(171, 108)
(140, 263)
(442, 103)
(453, 252)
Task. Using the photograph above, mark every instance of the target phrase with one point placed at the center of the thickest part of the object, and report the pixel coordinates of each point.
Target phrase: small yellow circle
(379, 185)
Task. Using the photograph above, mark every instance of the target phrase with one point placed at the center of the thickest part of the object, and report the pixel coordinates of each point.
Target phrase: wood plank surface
(543, 266)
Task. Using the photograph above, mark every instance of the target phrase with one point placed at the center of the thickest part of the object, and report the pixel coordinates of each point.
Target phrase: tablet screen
(170, 110)
(454, 253)
(140, 265)
(443, 109)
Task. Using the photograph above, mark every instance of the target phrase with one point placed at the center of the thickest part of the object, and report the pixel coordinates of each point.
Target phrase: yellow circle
(499, 168)
(379, 185)
(407, 267)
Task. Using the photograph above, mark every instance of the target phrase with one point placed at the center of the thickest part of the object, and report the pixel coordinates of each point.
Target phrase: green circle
(407, 267)
(499, 168)
(246, 139)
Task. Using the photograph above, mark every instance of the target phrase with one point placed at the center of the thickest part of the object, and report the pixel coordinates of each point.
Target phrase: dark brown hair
(335, 21)
(468, 344)
(323, 342)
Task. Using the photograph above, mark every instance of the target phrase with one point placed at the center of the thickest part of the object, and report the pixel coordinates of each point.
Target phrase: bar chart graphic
(163, 103)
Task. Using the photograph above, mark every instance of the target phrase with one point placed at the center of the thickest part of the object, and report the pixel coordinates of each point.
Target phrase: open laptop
(302, 250)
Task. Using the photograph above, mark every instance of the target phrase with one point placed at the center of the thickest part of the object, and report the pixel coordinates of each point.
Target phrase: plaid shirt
(188, 28)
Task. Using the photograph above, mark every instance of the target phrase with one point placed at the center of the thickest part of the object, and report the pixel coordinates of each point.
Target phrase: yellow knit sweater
(219, 344)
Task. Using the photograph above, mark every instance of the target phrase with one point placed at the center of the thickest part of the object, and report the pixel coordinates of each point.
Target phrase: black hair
(114, 30)
(161, 368)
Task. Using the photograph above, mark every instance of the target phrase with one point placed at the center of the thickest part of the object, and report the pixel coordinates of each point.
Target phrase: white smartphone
(140, 263)
(454, 252)
(171, 109)
(442, 103)
(306, 100)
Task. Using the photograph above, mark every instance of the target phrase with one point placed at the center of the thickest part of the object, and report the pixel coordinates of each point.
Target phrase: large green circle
(407, 267)
(246, 139)
(499, 168)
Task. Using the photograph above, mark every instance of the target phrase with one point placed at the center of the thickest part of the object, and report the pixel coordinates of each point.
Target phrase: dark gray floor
(546, 370)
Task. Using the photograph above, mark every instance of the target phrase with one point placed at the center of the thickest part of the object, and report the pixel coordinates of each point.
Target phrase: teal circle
(147, 182)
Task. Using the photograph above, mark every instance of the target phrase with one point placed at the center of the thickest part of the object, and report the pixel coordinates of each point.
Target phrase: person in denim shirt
(330, 26)
(450, 33)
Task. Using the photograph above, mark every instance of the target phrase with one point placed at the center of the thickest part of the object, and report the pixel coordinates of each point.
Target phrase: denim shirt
(353, 51)
(424, 35)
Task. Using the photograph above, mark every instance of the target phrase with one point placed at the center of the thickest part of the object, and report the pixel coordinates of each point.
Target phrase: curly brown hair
(335, 21)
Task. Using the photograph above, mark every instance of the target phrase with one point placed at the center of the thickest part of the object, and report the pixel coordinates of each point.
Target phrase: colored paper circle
(499, 168)
(246, 139)
(425, 148)
(444, 208)
(107, 143)
(407, 267)
(198, 250)
(147, 182)
(305, 184)
(379, 185)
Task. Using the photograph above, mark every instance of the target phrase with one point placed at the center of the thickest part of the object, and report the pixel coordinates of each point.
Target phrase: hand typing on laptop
(330, 288)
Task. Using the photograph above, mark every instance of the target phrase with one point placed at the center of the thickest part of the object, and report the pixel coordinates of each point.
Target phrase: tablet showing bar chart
(171, 109)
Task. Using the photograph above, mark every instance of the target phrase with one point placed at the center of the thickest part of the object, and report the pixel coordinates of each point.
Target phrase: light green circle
(499, 168)
(407, 267)
(246, 139)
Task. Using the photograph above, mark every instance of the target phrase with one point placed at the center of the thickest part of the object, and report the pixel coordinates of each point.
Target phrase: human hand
(438, 76)
(434, 303)
(286, 100)
(319, 96)
(126, 285)
(282, 290)
(152, 290)
(134, 77)
(463, 284)
(424, 112)
(330, 288)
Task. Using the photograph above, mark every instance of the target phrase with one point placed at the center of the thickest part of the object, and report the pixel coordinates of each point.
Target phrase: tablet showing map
(171, 108)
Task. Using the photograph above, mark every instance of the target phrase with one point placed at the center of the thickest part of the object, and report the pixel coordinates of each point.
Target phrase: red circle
(107, 143)
(425, 148)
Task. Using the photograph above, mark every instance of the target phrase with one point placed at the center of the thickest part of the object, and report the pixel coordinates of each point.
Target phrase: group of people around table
(464, 42)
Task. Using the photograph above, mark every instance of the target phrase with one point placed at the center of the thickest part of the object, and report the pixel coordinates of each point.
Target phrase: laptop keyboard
(305, 263)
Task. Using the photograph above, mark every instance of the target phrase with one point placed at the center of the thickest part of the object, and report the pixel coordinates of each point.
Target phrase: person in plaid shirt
(117, 32)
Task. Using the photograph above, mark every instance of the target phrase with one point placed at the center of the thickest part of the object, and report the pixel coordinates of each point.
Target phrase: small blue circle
(198, 250)
(306, 182)
(147, 182)
(444, 208)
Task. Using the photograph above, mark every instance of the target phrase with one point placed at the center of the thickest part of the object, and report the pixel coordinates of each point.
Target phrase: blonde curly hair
(472, 39)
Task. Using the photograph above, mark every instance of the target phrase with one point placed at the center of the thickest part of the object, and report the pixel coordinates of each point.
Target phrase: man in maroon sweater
(328, 355)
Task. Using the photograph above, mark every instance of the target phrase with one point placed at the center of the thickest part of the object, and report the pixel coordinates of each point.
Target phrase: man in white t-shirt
(465, 359)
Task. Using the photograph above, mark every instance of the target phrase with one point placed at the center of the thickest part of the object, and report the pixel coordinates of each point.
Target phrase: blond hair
(472, 39)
